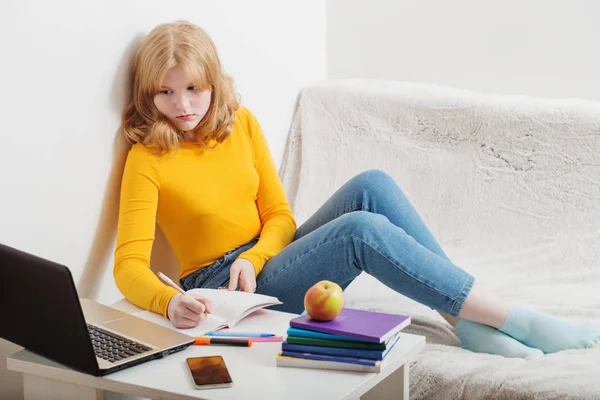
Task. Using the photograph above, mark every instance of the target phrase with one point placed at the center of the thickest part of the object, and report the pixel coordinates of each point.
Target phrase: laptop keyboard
(112, 347)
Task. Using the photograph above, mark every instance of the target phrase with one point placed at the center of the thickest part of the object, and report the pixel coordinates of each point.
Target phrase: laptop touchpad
(144, 331)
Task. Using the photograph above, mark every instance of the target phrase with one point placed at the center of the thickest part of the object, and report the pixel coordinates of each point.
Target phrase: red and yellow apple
(324, 300)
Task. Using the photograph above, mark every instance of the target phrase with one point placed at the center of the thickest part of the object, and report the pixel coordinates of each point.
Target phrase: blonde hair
(178, 44)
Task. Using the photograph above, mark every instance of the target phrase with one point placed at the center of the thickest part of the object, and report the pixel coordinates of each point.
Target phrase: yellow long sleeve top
(206, 201)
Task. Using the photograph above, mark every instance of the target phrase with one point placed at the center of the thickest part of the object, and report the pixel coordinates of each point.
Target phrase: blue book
(322, 357)
(297, 362)
(341, 351)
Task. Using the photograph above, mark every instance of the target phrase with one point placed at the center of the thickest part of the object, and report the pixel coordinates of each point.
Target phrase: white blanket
(509, 185)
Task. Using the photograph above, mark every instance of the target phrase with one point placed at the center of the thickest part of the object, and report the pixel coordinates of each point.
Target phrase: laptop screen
(41, 311)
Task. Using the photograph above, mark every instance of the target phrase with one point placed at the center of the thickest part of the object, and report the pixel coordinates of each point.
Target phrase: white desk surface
(252, 369)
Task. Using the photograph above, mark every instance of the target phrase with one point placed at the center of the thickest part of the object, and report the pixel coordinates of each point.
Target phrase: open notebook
(228, 308)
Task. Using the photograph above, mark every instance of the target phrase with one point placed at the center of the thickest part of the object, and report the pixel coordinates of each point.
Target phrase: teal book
(320, 335)
(340, 351)
(335, 343)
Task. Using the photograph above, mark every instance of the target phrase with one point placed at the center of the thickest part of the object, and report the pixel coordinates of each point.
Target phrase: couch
(510, 187)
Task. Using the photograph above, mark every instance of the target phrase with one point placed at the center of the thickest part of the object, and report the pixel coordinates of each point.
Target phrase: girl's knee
(360, 222)
(373, 175)
(375, 182)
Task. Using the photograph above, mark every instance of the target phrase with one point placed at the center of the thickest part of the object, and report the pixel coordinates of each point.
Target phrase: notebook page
(234, 305)
(210, 323)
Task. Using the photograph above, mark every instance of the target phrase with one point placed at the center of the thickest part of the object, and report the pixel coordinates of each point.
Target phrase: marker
(240, 334)
(201, 341)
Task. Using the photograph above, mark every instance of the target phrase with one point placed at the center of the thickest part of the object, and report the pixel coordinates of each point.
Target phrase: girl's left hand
(242, 271)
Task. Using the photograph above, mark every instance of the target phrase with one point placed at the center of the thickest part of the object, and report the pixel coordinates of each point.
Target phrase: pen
(169, 282)
(240, 334)
(230, 342)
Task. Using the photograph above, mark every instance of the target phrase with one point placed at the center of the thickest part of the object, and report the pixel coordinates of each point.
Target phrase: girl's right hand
(185, 311)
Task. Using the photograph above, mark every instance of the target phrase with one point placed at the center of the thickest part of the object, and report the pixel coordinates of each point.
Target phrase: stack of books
(356, 340)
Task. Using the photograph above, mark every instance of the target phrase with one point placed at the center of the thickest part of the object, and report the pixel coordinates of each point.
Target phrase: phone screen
(209, 372)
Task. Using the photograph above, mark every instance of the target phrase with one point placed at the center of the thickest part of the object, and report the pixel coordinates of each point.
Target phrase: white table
(252, 369)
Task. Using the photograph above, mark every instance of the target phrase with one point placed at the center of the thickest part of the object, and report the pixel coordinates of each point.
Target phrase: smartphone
(209, 372)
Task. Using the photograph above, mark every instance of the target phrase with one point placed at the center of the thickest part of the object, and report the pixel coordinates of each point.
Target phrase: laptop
(41, 311)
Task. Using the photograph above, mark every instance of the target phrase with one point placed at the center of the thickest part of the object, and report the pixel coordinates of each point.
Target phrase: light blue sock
(547, 332)
(485, 339)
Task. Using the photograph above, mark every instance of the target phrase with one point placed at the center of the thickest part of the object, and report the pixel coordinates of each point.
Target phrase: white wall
(534, 47)
(65, 78)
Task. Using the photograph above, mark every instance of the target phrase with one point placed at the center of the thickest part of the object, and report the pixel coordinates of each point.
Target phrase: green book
(335, 343)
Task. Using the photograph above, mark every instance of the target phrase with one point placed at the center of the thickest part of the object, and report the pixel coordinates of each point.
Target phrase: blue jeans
(367, 225)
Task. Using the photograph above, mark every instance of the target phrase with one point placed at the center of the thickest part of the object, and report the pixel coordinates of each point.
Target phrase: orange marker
(200, 341)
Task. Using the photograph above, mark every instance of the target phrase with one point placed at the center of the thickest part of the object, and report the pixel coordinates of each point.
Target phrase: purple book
(370, 326)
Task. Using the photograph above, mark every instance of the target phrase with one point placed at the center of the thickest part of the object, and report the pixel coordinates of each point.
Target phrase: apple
(324, 300)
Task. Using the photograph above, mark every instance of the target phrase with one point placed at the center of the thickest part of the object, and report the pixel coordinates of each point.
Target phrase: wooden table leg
(38, 388)
(395, 386)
